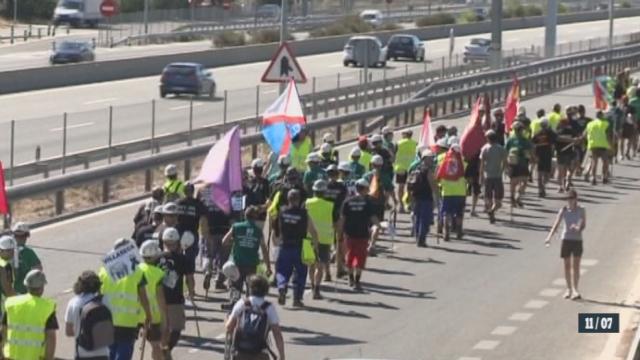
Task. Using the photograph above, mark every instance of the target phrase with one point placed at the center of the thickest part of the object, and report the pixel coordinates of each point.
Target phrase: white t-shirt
(72, 316)
(256, 302)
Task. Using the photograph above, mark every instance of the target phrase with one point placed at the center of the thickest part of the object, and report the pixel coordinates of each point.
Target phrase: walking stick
(144, 342)
(195, 315)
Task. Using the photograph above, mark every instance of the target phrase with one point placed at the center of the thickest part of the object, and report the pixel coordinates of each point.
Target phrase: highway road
(87, 105)
(496, 294)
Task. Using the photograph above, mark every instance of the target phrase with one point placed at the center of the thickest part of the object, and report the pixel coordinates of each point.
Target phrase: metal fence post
(442, 68)
(64, 142)
(338, 81)
(224, 115)
(110, 140)
(13, 32)
(11, 158)
(314, 101)
(190, 141)
(153, 125)
(257, 100)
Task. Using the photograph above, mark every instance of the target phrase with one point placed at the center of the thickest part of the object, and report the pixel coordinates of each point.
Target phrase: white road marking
(221, 336)
(469, 358)
(519, 316)
(560, 282)
(504, 330)
(550, 292)
(182, 107)
(99, 101)
(335, 66)
(583, 271)
(69, 127)
(486, 345)
(535, 304)
(589, 262)
(193, 351)
(347, 78)
(270, 91)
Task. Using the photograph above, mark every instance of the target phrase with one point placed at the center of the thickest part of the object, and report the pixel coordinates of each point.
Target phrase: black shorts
(473, 186)
(566, 158)
(519, 171)
(154, 333)
(494, 189)
(401, 178)
(571, 247)
(544, 164)
(324, 253)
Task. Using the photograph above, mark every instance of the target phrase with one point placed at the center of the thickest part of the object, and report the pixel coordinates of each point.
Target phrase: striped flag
(4, 200)
(603, 88)
(512, 104)
(283, 120)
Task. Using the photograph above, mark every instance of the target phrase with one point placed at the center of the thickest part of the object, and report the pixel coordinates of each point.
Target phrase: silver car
(361, 50)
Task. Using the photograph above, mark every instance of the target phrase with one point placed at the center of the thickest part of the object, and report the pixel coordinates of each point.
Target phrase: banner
(122, 261)
(283, 120)
(473, 137)
(4, 200)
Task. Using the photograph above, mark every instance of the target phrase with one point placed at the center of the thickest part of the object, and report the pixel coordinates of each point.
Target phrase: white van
(364, 49)
(77, 13)
(372, 17)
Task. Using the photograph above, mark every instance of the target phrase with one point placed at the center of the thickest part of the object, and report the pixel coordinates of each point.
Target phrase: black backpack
(96, 325)
(414, 180)
(252, 330)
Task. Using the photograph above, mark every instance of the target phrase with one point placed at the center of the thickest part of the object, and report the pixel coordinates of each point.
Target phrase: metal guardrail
(445, 97)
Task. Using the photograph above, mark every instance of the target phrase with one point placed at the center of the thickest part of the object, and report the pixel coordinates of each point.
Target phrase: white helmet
(170, 170)
(150, 249)
(284, 160)
(319, 185)
(328, 137)
(230, 270)
(377, 160)
(344, 166)
(376, 138)
(313, 157)
(20, 227)
(386, 130)
(7, 242)
(257, 163)
(170, 235)
(187, 240)
(325, 148)
(355, 152)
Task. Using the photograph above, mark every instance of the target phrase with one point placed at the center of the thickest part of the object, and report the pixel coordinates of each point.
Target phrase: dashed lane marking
(589, 262)
(520, 316)
(504, 330)
(559, 282)
(486, 345)
(536, 304)
(182, 107)
(469, 358)
(69, 127)
(550, 292)
(99, 101)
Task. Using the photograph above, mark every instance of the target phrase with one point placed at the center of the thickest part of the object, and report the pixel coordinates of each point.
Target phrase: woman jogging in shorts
(574, 221)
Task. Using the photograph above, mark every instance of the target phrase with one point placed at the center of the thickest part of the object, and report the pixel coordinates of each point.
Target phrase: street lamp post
(611, 15)
(284, 13)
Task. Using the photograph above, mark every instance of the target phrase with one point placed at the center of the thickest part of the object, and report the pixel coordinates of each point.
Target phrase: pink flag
(4, 201)
(222, 169)
(473, 137)
(427, 134)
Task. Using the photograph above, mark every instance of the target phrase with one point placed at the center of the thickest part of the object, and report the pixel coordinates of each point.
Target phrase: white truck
(77, 13)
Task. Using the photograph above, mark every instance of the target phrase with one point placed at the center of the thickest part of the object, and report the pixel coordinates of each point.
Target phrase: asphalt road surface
(39, 114)
(496, 294)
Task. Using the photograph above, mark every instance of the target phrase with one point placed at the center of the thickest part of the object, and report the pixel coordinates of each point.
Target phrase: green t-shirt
(311, 175)
(357, 170)
(518, 147)
(27, 259)
(246, 243)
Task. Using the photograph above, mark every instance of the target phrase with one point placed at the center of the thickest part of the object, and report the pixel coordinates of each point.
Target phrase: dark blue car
(187, 78)
(72, 52)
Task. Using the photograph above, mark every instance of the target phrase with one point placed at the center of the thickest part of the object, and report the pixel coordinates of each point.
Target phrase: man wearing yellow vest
(124, 298)
(173, 188)
(555, 116)
(321, 212)
(453, 191)
(599, 139)
(29, 323)
(301, 147)
(405, 155)
(151, 253)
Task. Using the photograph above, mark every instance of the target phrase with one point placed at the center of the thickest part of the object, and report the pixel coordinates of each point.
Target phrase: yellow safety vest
(154, 276)
(554, 120)
(298, 154)
(27, 317)
(121, 297)
(452, 188)
(597, 134)
(365, 159)
(173, 189)
(536, 127)
(321, 212)
(405, 155)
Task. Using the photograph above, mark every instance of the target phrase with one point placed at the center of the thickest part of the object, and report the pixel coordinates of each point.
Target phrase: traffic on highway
(503, 228)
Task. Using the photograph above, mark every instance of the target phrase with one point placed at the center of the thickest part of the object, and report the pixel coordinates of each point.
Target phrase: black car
(72, 52)
(187, 78)
(405, 46)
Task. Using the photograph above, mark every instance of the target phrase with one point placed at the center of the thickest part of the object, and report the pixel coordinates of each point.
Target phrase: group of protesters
(301, 213)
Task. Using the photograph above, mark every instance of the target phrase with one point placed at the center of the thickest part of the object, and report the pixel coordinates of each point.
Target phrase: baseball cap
(355, 152)
(170, 208)
(20, 227)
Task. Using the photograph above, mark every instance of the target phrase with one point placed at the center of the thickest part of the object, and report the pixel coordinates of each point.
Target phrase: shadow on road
(458, 251)
(606, 303)
(202, 343)
(389, 272)
(318, 338)
(324, 311)
(396, 291)
(373, 304)
(415, 260)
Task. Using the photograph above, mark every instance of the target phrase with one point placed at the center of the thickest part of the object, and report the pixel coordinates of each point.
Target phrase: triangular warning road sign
(283, 67)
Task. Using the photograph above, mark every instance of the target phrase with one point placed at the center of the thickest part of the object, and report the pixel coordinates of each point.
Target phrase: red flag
(512, 104)
(473, 137)
(4, 201)
(486, 122)
(426, 134)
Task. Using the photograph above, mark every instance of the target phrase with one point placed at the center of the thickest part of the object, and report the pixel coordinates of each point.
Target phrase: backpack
(252, 330)
(413, 180)
(96, 325)
(452, 167)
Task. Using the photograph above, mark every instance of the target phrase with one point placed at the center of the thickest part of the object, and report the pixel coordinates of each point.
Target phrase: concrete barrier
(112, 70)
